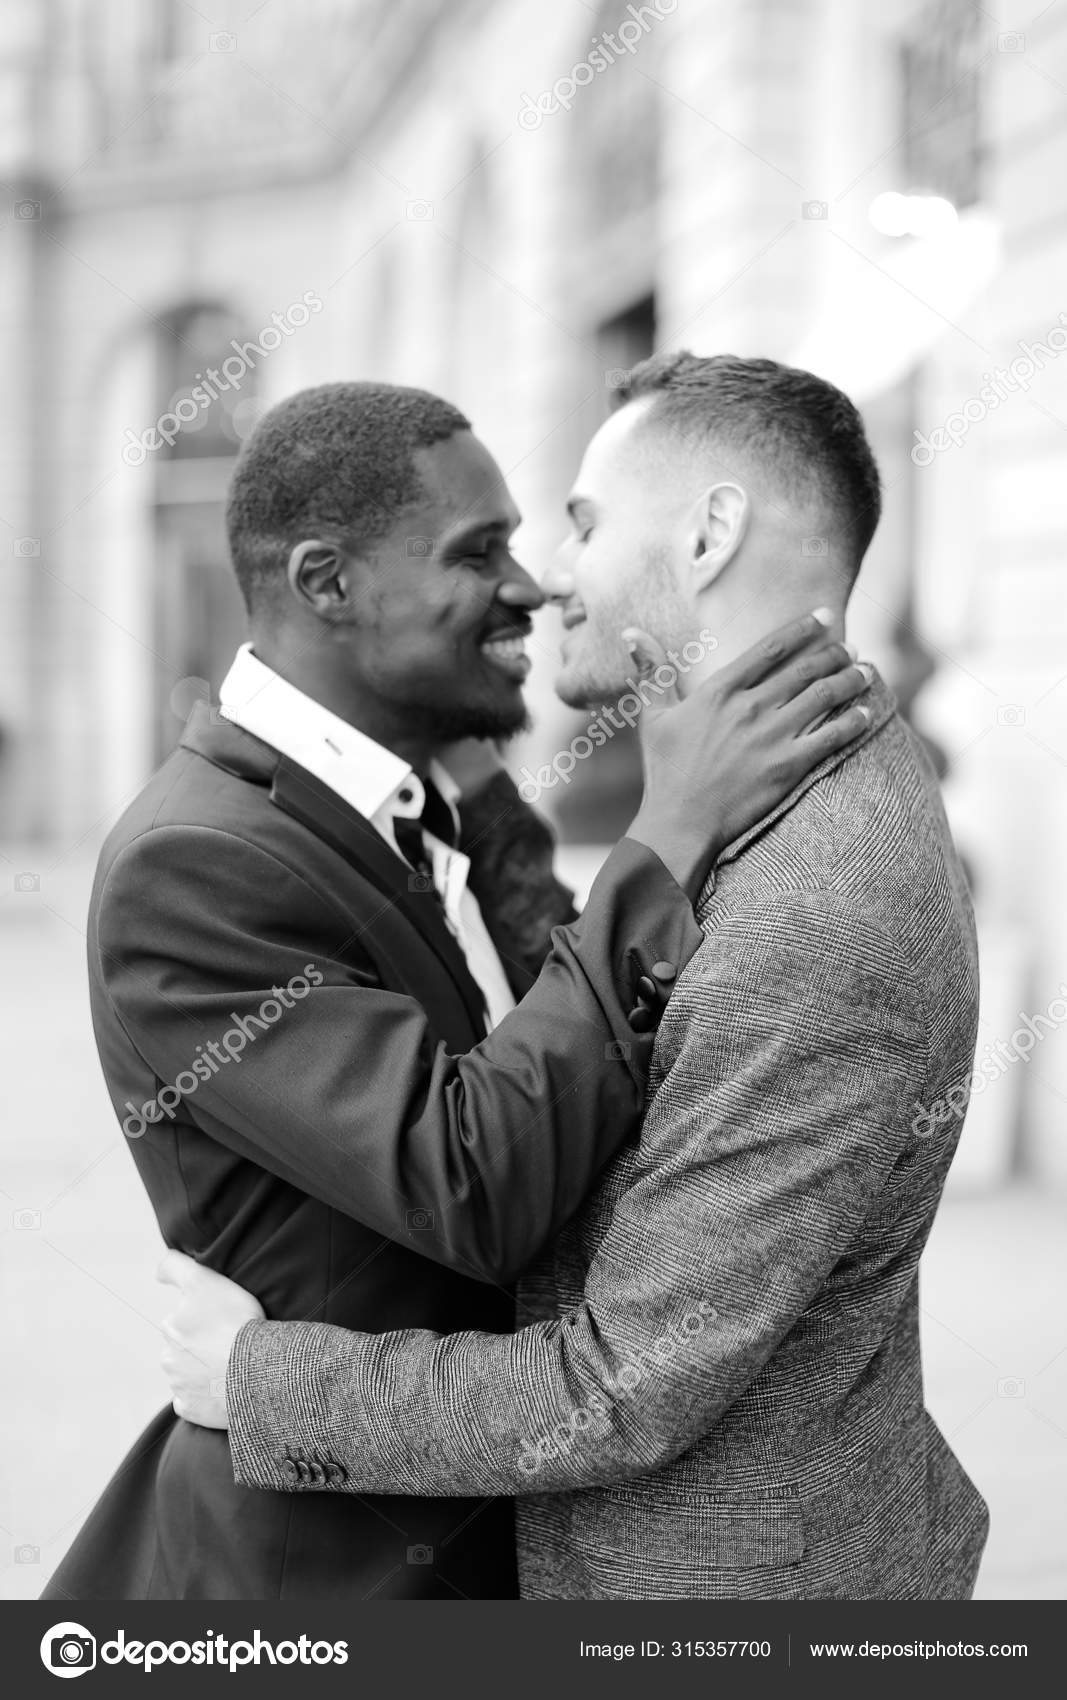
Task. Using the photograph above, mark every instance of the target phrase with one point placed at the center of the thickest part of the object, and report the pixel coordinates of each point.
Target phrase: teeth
(511, 649)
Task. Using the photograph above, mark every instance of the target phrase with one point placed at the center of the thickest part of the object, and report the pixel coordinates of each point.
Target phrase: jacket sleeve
(793, 1051)
(511, 849)
(281, 1046)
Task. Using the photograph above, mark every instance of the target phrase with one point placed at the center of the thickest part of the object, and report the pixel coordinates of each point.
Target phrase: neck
(324, 676)
(736, 629)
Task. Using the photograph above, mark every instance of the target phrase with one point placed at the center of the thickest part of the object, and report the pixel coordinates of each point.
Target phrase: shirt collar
(375, 781)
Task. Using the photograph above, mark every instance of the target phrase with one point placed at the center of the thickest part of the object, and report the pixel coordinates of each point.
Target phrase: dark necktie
(437, 819)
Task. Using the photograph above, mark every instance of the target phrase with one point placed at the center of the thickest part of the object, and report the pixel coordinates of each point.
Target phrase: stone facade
(508, 203)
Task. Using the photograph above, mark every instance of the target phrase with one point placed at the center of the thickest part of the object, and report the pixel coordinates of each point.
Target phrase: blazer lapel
(315, 806)
(299, 794)
(882, 705)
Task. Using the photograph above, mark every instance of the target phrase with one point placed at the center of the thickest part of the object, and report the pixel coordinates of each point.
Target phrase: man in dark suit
(305, 1019)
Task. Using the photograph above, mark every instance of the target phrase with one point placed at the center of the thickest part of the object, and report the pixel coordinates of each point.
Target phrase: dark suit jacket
(286, 1030)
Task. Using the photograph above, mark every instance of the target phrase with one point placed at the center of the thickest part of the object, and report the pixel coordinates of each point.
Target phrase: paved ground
(78, 1247)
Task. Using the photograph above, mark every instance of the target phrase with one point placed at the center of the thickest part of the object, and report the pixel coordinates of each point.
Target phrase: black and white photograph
(533, 806)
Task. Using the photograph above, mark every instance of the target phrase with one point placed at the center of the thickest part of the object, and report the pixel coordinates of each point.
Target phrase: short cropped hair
(808, 432)
(338, 456)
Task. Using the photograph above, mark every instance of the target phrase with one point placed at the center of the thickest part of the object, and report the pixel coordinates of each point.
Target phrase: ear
(320, 576)
(719, 522)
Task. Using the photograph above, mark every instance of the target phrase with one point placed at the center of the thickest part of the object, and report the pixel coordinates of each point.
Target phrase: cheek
(605, 579)
(414, 609)
(595, 580)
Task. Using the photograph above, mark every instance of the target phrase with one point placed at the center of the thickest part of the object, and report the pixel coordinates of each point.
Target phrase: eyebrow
(487, 528)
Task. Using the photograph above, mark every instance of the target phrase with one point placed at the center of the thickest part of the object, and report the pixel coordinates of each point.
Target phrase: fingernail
(867, 670)
(866, 713)
(825, 616)
(851, 651)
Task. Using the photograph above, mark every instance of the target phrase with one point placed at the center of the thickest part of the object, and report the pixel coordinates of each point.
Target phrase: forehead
(464, 485)
(613, 458)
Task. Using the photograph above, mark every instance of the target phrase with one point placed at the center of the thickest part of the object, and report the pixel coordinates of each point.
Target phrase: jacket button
(318, 1475)
(665, 971)
(641, 1019)
(290, 1473)
(335, 1475)
(304, 1469)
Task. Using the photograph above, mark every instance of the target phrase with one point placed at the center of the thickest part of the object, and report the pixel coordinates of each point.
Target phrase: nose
(519, 590)
(557, 581)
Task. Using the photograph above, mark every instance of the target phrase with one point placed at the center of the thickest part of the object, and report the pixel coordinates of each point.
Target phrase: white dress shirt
(376, 783)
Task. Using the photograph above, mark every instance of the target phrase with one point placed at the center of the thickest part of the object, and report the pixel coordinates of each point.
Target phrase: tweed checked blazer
(719, 1394)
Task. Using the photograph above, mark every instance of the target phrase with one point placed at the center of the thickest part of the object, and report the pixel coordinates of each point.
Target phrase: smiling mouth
(508, 653)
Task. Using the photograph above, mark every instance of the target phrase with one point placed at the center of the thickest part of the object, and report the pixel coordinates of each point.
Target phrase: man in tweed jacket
(718, 1393)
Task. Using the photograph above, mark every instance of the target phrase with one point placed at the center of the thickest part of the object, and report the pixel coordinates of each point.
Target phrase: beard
(599, 667)
(484, 721)
(446, 722)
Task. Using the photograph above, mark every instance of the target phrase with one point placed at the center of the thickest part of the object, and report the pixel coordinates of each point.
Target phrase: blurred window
(941, 98)
(206, 383)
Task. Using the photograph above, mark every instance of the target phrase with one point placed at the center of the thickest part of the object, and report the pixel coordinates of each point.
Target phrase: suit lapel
(882, 705)
(306, 799)
(299, 794)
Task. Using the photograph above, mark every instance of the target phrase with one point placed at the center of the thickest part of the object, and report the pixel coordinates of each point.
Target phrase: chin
(595, 669)
(497, 720)
(587, 690)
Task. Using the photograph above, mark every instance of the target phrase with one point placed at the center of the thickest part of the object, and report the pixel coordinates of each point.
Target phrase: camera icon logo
(1012, 41)
(420, 882)
(26, 546)
(419, 1221)
(25, 1221)
(27, 882)
(420, 211)
(1011, 714)
(27, 209)
(814, 546)
(815, 209)
(616, 377)
(420, 1554)
(188, 694)
(68, 1649)
(26, 1554)
(616, 1051)
(223, 42)
(418, 548)
(1010, 1387)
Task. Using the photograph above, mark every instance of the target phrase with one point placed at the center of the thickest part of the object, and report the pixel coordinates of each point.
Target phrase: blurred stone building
(511, 203)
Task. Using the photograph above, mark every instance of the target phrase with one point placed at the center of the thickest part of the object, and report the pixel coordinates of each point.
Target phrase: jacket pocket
(704, 1531)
